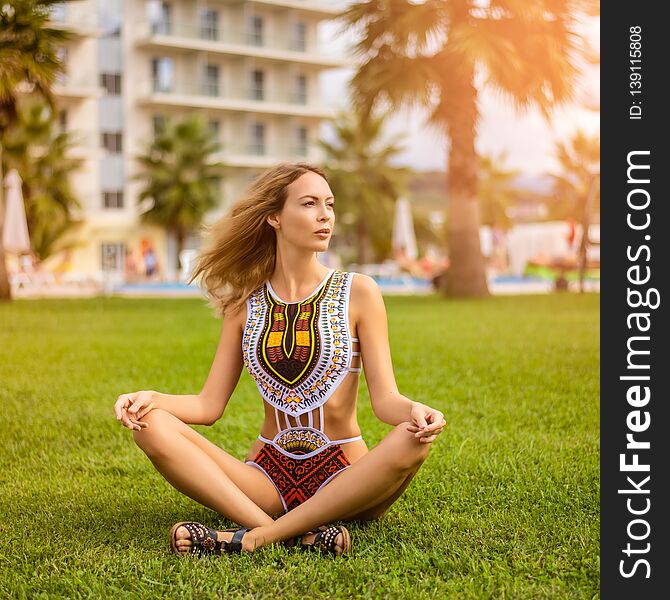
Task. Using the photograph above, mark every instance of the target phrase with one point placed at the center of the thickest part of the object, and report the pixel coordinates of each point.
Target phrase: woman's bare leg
(376, 509)
(373, 481)
(205, 473)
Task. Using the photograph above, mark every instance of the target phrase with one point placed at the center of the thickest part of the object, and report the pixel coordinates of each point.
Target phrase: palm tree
(28, 63)
(363, 182)
(39, 154)
(577, 188)
(496, 190)
(433, 54)
(180, 179)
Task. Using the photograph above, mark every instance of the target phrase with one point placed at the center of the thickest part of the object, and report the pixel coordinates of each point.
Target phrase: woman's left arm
(388, 404)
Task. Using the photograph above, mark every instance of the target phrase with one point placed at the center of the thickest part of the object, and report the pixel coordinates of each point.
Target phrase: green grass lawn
(506, 506)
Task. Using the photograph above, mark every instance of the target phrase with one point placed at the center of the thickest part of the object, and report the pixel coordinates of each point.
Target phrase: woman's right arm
(206, 407)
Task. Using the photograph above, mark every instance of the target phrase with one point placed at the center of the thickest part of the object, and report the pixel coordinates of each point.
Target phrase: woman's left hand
(427, 423)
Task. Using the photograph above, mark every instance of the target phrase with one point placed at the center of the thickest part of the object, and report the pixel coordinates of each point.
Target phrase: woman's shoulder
(365, 298)
(235, 312)
(363, 289)
(361, 280)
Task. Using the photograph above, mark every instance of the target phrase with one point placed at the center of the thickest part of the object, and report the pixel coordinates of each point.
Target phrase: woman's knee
(410, 451)
(154, 437)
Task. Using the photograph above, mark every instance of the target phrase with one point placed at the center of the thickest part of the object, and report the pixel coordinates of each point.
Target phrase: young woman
(301, 331)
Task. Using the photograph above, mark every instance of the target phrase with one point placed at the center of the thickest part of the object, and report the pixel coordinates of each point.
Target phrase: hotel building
(249, 68)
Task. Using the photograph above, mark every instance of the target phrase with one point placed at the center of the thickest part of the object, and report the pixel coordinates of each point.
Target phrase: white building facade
(249, 68)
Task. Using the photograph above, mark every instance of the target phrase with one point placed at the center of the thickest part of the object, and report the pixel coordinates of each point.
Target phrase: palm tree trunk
(5, 288)
(363, 241)
(180, 246)
(466, 275)
(586, 223)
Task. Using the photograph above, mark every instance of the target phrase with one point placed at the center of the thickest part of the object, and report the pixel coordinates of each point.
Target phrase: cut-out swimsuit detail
(298, 353)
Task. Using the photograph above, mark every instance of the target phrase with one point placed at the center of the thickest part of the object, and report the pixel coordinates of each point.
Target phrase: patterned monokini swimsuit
(298, 353)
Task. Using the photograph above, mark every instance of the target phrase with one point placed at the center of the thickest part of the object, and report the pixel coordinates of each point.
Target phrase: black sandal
(204, 539)
(324, 541)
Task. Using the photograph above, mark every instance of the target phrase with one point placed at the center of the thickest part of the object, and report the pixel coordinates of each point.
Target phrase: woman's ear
(273, 221)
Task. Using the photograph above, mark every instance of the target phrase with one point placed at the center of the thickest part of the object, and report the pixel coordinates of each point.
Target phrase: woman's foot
(331, 539)
(183, 540)
(308, 539)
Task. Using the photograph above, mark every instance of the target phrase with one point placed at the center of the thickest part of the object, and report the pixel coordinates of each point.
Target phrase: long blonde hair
(242, 246)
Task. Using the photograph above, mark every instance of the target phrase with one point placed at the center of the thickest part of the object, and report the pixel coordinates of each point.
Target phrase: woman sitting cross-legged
(303, 332)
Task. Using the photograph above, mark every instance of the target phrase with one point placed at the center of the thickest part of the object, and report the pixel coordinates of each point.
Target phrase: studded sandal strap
(203, 539)
(326, 539)
(235, 545)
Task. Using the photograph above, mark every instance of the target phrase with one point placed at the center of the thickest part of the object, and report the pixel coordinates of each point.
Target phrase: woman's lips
(322, 234)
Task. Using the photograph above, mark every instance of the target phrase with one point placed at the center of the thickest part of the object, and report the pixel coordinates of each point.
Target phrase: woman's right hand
(130, 408)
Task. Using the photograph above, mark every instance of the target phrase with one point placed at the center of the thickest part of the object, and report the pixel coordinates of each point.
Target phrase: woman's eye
(311, 202)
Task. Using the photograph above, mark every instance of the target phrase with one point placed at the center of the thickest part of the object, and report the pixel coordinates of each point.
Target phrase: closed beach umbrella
(403, 230)
(15, 233)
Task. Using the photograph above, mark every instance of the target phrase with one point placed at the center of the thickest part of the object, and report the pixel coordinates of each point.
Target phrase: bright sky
(529, 140)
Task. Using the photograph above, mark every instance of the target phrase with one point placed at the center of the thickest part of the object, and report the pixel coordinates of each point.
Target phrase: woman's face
(309, 207)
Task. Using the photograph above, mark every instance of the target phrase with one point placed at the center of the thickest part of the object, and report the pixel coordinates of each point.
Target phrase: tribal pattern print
(299, 479)
(299, 352)
(301, 440)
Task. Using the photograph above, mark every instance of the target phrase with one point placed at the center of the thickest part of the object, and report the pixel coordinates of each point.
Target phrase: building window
(210, 83)
(301, 89)
(62, 121)
(257, 138)
(112, 142)
(61, 56)
(159, 122)
(301, 139)
(58, 12)
(214, 127)
(257, 79)
(161, 18)
(111, 82)
(256, 30)
(112, 257)
(215, 183)
(209, 24)
(299, 41)
(162, 71)
(112, 199)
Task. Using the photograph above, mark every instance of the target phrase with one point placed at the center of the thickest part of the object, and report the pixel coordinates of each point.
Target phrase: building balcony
(185, 36)
(82, 146)
(262, 155)
(77, 87)
(81, 24)
(214, 95)
(85, 146)
(316, 8)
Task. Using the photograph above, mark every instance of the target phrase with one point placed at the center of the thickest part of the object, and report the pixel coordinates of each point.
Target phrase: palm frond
(531, 57)
(365, 185)
(178, 175)
(28, 53)
(407, 27)
(390, 76)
